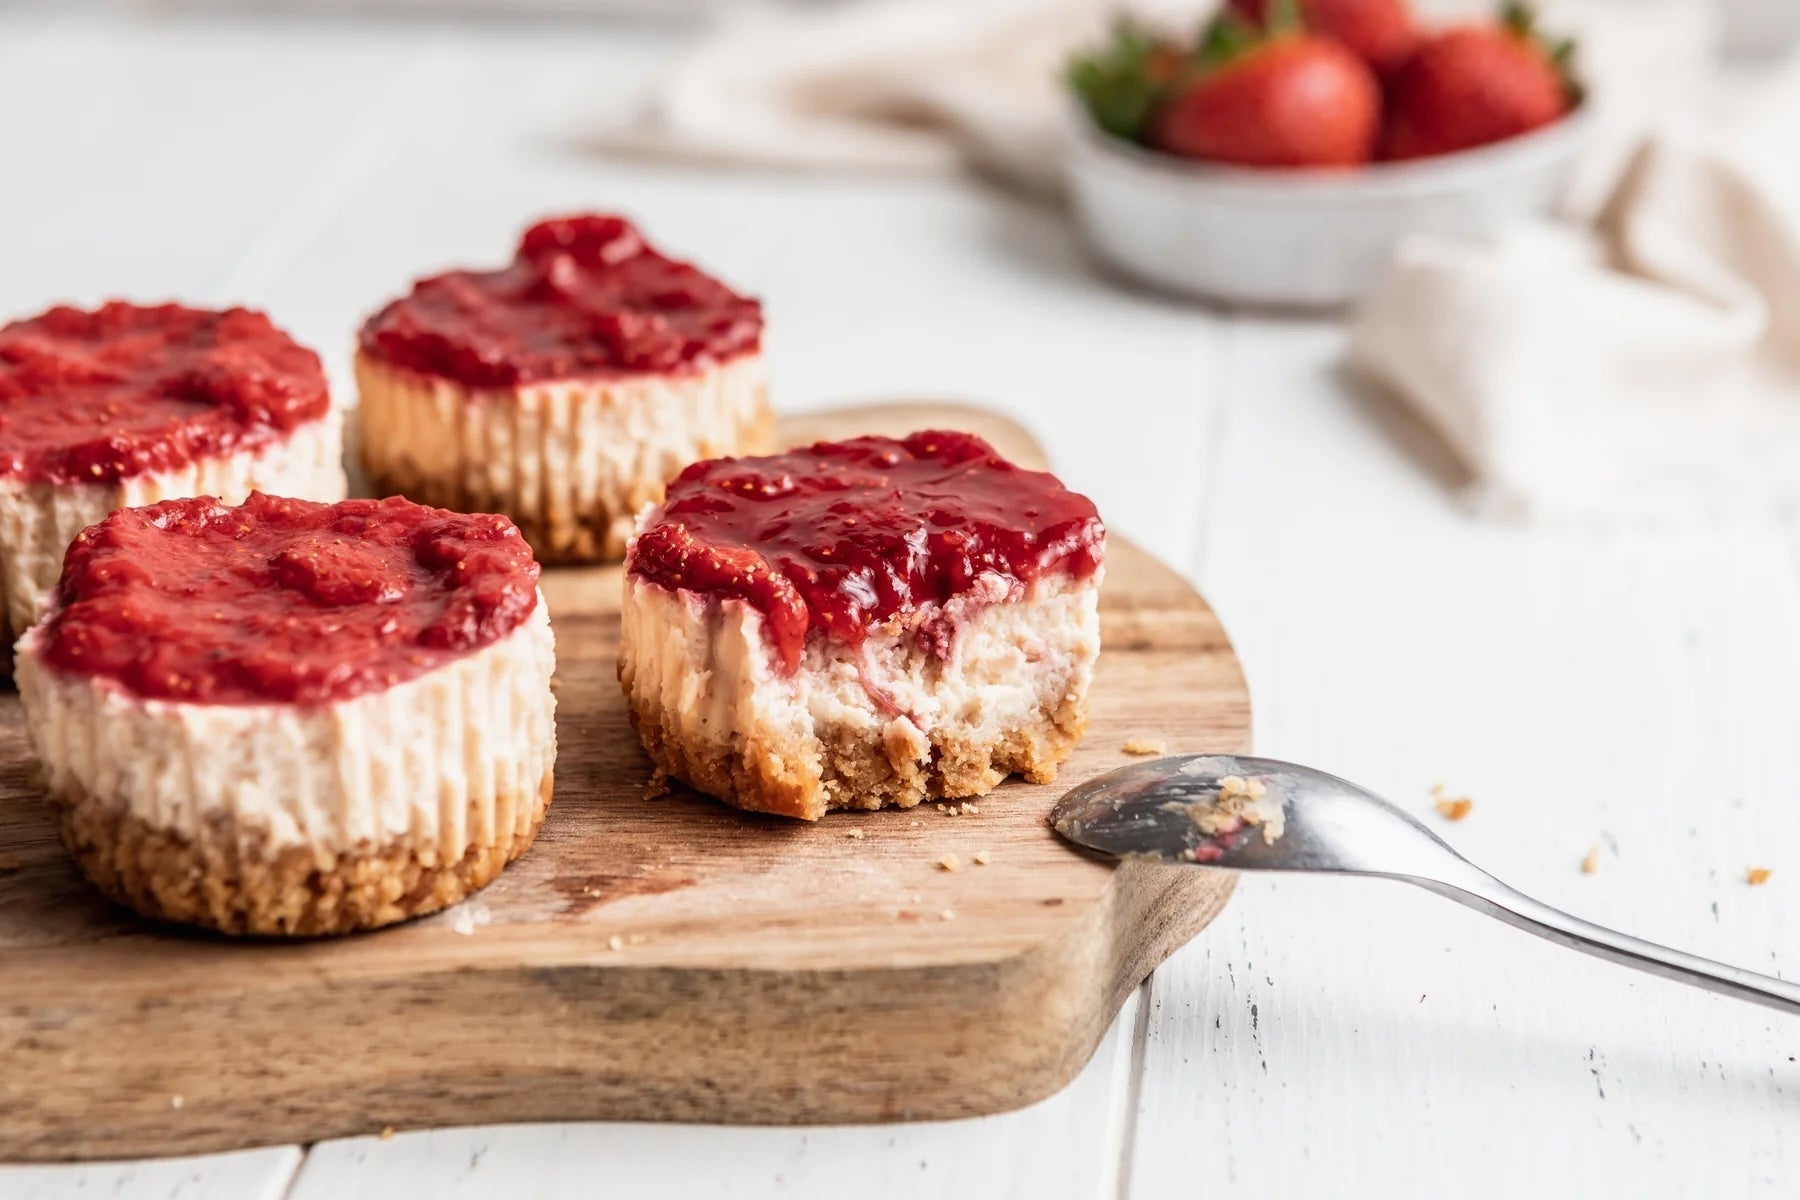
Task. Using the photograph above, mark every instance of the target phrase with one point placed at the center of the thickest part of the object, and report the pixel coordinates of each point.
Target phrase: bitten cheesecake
(294, 718)
(862, 623)
(563, 390)
(127, 405)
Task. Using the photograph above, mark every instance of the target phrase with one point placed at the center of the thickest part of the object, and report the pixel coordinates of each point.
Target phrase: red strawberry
(1280, 100)
(1380, 31)
(1476, 84)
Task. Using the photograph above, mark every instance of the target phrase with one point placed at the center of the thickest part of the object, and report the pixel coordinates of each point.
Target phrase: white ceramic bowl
(1297, 238)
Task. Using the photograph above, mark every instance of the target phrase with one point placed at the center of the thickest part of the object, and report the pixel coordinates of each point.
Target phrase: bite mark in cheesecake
(860, 624)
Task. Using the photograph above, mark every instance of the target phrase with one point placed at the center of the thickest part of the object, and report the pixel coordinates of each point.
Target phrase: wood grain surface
(658, 958)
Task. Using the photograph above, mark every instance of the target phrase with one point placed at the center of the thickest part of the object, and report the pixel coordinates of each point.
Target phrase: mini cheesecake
(127, 405)
(862, 623)
(563, 390)
(293, 718)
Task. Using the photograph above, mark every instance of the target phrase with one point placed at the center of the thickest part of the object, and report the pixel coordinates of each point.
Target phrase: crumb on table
(856, 834)
(1757, 876)
(949, 862)
(1454, 809)
(1144, 745)
(657, 786)
(981, 858)
(1591, 863)
(387, 1133)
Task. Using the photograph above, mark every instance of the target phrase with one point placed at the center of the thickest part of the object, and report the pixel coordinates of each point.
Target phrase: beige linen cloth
(1640, 354)
(1646, 359)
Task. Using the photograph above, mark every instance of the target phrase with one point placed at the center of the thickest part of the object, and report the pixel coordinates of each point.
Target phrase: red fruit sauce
(585, 297)
(94, 397)
(839, 536)
(284, 601)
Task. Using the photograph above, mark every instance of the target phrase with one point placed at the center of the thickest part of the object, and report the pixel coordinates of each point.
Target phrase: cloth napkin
(1643, 359)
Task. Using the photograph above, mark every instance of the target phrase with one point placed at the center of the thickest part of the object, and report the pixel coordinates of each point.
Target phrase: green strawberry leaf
(1119, 82)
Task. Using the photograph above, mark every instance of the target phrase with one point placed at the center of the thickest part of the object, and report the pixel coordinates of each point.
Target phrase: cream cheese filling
(707, 665)
(555, 454)
(432, 763)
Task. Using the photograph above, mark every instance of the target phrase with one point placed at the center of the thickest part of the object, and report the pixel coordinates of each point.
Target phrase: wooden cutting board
(651, 958)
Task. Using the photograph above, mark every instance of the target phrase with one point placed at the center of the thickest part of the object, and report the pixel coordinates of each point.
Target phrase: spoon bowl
(1147, 811)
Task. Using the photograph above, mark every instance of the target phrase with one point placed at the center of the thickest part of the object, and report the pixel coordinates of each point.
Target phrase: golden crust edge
(226, 880)
(805, 778)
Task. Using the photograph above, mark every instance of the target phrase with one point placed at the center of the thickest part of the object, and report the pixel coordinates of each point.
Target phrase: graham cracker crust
(597, 535)
(762, 774)
(224, 882)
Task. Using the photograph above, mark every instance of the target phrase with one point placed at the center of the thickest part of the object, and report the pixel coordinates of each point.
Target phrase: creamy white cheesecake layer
(556, 455)
(708, 666)
(39, 520)
(436, 763)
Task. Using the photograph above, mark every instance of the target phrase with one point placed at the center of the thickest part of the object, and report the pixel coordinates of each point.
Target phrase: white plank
(246, 1175)
(1634, 688)
(183, 141)
(1067, 1146)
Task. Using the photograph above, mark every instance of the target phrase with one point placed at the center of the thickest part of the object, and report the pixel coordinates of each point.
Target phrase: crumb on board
(10, 863)
(949, 863)
(856, 834)
(1453, 808)
(657, 786)
(1591, 863)
(387, 1133)
(615, 942)
(176, 1101)
(1144, 745)
(981, 858)
(949, 914)
(964, 809)
(1757, 876)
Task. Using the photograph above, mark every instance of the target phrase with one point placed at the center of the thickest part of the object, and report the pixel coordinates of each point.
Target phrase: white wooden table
(1638, 689)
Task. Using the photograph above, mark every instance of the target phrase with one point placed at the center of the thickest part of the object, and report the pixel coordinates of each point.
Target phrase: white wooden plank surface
(1635, 688)
(246, 1175)
(1631, 688)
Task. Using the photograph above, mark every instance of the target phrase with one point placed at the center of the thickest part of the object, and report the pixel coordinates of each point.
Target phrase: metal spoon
(1155, 811)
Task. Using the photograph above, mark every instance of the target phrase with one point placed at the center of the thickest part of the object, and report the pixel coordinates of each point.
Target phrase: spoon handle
(1486, 894)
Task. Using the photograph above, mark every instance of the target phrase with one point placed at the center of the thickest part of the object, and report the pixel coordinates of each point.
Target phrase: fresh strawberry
(1474, 84)
(1380, 31)
(1288, 99)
